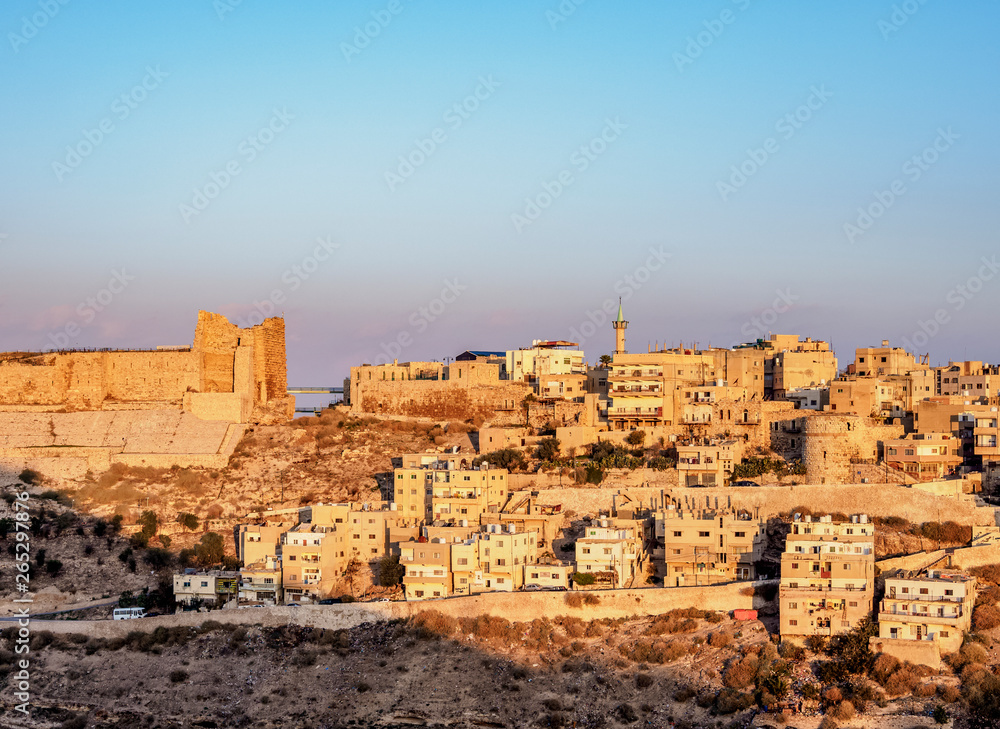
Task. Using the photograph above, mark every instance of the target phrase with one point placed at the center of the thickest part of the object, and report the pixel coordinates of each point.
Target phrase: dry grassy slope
(383, 674)
(83, 576)
(330, 458)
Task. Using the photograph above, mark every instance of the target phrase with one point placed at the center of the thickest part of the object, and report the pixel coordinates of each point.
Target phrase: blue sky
(646, 111)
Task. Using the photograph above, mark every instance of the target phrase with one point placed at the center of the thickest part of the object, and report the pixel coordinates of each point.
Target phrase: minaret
(620, 326)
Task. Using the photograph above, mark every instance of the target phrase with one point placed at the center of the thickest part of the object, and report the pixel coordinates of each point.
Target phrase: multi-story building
(706, 546)
(935, 605)
(884, 360)
(614, 555)
(428, 569)
(792, 364)
(827, 576)
(255, 542)
(546, 358)
(212, 588)
(968, 379)
(709, 464)
(492, 560)
(924, 456)
(313, 557)
(260, 582)
(432, 493)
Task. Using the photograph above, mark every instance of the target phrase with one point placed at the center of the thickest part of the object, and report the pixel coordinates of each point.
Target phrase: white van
(129, 613)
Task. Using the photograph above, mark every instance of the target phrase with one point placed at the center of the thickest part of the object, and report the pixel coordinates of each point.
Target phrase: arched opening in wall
(746, 417)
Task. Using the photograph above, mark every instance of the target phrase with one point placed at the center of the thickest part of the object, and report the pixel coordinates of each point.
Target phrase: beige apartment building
(212, 588)
(827, 576)
(556, 370)
(924, 456)
(968, 379)
(697, 546)
(548, 574)
(432, 493)
(613, 555)
(260, 582)
(256, 542)
(492, 560)
(709, 464)
(313, 558)
(794, 364)
(884, 360)
(646, 390)
(935, 605)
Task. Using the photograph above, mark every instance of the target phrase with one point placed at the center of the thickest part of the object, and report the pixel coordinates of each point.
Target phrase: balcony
(624, 412)
(909, 617)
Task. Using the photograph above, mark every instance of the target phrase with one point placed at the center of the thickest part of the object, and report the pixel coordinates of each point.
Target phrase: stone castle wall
(223, 359)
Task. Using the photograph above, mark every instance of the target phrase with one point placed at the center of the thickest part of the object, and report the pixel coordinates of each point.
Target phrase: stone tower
(620, 326)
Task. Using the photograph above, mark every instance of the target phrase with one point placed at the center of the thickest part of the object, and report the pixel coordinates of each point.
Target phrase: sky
(407, 179)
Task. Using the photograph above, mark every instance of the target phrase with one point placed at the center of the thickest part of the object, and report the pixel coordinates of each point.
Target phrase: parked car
(329, 601)
(532, 588)
(745, 483)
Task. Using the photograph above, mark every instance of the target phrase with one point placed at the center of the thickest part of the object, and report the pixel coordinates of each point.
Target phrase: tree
(116, 523)
(351, 572)
(508, 458)
(165, 540)
(149, 523)
(158, 558)
(548, 449)
(526, 404)
(605, 360)
(390, 571)
(53, 566)
(636, 437)
(100, 528)
(188, 521)
(210, 550)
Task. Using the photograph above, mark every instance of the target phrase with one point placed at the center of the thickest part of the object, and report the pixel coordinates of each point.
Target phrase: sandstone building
(827, 576)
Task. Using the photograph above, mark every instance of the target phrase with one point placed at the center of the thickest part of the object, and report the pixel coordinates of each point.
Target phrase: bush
(509, 458)
(636, 437)
(30, 477)
(390, 571)
(178, 676)
(884, 667)
(903, 681)
(740, 673)
(986, 617)
(730, 700)
(548, 449)
(843, 711)
(584, 579)
(720, 639)
(987, 573)
(643, 680)
(626, 713)
(53, 567)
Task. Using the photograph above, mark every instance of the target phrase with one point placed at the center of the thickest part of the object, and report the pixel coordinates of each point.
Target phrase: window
(853, 603)
(740, 534)
(793, 622)
(793, 605)
(462, 561)
(702, 534)
(677, 534)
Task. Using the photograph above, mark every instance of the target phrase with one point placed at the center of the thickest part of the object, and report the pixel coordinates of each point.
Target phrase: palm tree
(605, 360)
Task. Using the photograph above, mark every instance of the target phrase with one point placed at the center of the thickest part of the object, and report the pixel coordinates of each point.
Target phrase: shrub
(362, 687)
(53, 567)
(730, 700)
(30, 477)
(843, 711)
(636, 437)
(591, 599)
(740, 673)
(626, 713)
(986, 617)
(573, 599)
(643, 680)
(178, 676)
(949, 694)
(987, 573)
(903, 681)
(435, 622)
(548, 449)
(509, 458)
(584, 579)
(791, 652)
(720, 639)
(884, 667)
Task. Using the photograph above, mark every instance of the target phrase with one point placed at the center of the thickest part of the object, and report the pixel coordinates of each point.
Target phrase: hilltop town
(683, 536)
